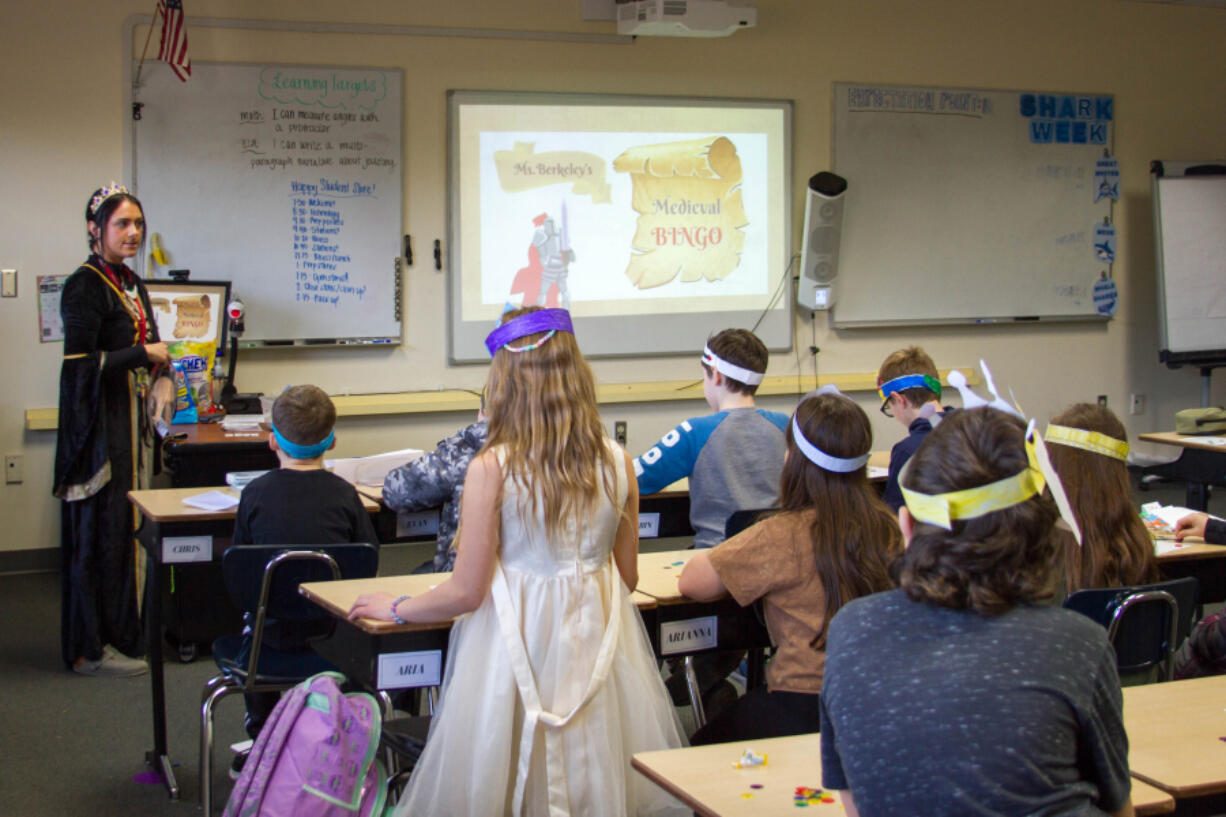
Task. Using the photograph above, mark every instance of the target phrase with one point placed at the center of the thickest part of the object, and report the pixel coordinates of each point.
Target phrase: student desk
(704, 779)
(165, 517)
(1175, 733)
(1200, 464)
(1195, 558)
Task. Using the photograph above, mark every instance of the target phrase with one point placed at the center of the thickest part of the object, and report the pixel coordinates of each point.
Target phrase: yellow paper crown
(969, 503)
(1092, 441)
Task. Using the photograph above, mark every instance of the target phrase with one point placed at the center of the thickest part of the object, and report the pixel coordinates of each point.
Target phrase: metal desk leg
(691, 683)
(158, 758)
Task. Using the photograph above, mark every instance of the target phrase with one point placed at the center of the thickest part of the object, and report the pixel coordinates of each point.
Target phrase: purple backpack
(315, 757)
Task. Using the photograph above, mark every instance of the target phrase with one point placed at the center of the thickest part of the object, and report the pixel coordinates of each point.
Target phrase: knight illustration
(543, 281)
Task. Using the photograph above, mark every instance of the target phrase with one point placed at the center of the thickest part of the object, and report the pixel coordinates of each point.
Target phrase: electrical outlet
(1102, 400)
(12, 468)
(619, 432)
(8, 283)
(1136, 404)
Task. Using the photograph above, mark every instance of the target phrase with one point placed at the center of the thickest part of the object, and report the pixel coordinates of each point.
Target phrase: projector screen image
(655, 221)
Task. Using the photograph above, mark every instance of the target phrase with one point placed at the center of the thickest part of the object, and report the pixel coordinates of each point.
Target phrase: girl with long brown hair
(1088, 446)
(550, 684)
(832, 541)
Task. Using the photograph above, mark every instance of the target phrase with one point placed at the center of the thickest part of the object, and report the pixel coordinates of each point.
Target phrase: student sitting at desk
(298, 504)
(1088, 449)
(910, 390)
(833, 541)
(965, 691)
(438, 479)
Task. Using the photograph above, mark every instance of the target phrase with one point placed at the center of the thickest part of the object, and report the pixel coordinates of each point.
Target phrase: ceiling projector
(684, 18)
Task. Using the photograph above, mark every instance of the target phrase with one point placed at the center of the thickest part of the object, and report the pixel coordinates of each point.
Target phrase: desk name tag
(406, 670)
(179, 549)
(419, 523)
(688, 635)
(649, 525)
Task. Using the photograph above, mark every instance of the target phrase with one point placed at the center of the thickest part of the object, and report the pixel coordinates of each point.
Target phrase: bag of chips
(185, 406)
(195, 358)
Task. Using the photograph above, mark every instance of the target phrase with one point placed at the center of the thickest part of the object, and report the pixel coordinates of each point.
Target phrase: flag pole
(157, 12)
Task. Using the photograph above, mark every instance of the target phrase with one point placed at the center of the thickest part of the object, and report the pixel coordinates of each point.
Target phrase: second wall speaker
(819, 253)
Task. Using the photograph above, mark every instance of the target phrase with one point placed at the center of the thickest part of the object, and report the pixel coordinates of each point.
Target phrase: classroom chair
(265, 578)
(1145, 623)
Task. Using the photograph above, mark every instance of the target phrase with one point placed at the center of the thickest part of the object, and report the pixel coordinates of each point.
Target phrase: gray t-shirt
(932, 711)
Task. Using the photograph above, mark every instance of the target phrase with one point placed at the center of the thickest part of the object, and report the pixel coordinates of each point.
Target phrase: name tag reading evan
(405, 670)
(649, 525)
(689, 635)
(419, 523)
(178, 549)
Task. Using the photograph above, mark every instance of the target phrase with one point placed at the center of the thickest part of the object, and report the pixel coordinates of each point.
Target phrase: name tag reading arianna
(688, 635)
(407, 670)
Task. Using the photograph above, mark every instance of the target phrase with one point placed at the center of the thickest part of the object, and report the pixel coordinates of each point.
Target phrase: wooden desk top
(337, 597)
(166, 504)
(1193, 547)
(704, 779)
(1184, 440)
(658, 573)
(1175, 733)
(211, 433)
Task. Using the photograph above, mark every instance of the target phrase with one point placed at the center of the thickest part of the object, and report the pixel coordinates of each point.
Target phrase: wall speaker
(819, 253)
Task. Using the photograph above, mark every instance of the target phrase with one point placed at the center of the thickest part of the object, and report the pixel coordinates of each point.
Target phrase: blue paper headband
(544, 320)
(303, 452)
(909, 381)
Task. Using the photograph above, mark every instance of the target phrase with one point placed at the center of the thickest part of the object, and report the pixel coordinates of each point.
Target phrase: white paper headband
(730, 369)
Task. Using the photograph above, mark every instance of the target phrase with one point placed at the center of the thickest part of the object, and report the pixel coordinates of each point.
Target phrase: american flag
(174, 38)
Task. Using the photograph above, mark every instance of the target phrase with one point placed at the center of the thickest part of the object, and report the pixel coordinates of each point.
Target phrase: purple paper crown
(540, 321)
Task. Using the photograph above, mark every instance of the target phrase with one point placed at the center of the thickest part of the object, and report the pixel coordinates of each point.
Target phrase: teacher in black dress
(114, 381)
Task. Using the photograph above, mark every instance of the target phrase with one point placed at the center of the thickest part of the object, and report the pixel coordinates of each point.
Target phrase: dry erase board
(968, 205)
(285, 180)
(1190, 241)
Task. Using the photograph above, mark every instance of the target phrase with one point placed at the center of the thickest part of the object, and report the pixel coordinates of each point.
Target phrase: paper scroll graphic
(192, 316)
(691, 214)
(522, 168)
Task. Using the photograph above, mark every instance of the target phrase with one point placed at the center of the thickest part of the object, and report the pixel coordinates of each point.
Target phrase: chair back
(740, 520)
(264, 579)
(1145, 623)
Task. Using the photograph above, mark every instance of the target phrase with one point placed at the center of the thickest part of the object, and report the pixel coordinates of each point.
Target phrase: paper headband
(727, 369)
(827, 462)
(972, 502)
(112, 189)
(544, 320)
(909, 381)
(943, 509)
(1092, 441)
(303, 452)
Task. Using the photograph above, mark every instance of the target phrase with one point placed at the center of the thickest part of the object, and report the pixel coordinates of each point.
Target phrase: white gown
(550, 685)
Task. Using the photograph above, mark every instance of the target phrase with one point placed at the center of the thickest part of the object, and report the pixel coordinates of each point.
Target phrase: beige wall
(63, 135)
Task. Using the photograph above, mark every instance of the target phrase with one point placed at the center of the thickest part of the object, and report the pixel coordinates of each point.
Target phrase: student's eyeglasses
(885, 408)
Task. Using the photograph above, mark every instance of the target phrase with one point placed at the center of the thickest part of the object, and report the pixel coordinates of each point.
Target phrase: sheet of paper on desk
(241, 422)
(877, 472)
(371, 470)
(1206, 440)
(211, 501)
(1157, 515)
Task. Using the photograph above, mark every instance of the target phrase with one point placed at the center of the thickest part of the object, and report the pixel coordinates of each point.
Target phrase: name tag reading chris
(688, 635)
(179, 549)
(406, 670)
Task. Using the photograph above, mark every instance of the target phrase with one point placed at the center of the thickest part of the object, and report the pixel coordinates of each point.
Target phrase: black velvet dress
(104, 449)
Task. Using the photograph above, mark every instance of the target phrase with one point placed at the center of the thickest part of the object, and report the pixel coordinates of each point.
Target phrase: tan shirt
(773, 561)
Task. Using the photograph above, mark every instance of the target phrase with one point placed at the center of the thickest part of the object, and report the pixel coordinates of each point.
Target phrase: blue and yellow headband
(543, 320)
(303, 452)
(909, 381)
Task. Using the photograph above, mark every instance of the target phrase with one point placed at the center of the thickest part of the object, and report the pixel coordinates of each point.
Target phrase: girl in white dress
(550, 684)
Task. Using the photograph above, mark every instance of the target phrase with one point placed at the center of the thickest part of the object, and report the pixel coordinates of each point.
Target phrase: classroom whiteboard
(969, 206)
(1190, 241)
(285, 180)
